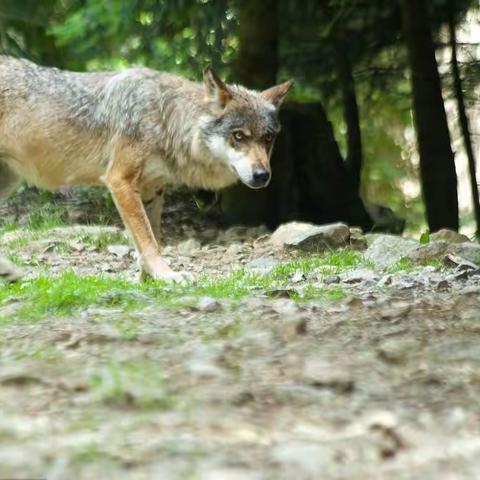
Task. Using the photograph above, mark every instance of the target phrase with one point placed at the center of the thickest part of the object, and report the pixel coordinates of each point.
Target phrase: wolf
(135, 131)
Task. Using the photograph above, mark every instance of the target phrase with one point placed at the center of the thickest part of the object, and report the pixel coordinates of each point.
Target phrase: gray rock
(397, 350)
(119, 251)
(302, 458)
(329, 279)
(386, 250)
(188, 247)
(284, 306)
(468, 250)
(262, 264)
(8, 271)
(310, 238)
(234, 248)
(297, 277)
(449, 236)
(357, 239)
(324, 374)
(430, 251)
(360, 275)
(209, 304)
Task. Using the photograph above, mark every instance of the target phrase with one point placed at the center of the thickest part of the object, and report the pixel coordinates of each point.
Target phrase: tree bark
(463, 119)
(354, 157)
(257, 62)
(437, 164)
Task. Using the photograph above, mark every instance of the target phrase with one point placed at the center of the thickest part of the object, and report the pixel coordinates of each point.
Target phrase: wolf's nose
(260, 177)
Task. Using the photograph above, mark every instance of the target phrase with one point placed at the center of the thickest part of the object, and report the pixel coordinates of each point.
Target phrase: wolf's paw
(167, 276)
(176, 277)
(158, 269)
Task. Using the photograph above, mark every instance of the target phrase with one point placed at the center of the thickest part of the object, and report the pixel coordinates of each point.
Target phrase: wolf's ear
(277, 94)
(215, 89)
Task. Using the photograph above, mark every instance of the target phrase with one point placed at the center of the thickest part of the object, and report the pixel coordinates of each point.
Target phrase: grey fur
(135, 131)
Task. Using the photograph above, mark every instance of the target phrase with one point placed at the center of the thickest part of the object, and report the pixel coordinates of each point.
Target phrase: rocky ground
(356, 356)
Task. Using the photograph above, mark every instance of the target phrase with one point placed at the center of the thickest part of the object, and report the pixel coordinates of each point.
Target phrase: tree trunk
(257, 61)
(463, 119)
(354, 157)
(437, 164)
(255, 67)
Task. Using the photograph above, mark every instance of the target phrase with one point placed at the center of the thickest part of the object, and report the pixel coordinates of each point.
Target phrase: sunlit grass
(69, 293)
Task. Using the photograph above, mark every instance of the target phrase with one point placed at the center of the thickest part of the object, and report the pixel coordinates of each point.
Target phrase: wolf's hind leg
(153, 202)
(8, 181)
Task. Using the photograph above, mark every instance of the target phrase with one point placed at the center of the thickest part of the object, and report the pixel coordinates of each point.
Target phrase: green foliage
(425, 238)
(185, 35)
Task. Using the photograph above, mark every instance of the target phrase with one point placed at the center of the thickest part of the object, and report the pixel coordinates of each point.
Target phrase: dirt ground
(381, 384)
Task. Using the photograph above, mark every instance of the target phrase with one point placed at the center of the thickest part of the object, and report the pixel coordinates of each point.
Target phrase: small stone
(8, 271)
(297, 277)
(77, 246)
(209, 305)
(397, 351)
(329, 279)
(302, 459)
(360, 275)
(357, 239)
(310, 238)
(294, 326)
(188, 247)
(468, 251)
(234, 249)
(428, 252)
(322, 374)
(395, 310)
(443, 285)
(262, 264)
(284, 306)
(119, 251)
(387, 250)
(449, 236)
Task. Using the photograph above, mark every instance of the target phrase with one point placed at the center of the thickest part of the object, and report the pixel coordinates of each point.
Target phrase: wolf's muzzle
(260, 178)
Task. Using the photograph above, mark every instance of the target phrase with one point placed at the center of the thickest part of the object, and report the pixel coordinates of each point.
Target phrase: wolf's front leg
(122, 178)
(153, 201)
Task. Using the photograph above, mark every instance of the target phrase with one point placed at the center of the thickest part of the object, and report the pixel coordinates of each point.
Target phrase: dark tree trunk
(257, 61)
(354, 157)
(463, 119)
(437, 165)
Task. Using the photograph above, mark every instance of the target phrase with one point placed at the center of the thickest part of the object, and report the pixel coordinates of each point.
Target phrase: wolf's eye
(269, 137)
(238, 135)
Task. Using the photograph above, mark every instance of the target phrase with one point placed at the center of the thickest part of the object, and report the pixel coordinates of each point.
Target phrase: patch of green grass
(42, 352)
(70, 293)
(134, 383)
(406, 265)
(403, 265)
(66, 293)
(89, 453)
(330, 294)
(103, 239)
(332, 262)
(15, 259)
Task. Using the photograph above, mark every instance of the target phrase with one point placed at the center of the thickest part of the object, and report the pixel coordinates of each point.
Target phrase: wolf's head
(243, 127)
